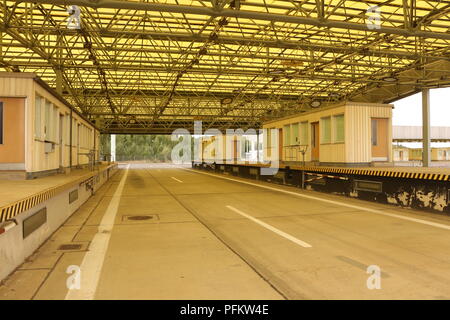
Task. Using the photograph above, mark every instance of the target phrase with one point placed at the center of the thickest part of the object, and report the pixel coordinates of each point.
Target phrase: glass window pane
(326, 130)
(304, 133)
(287, 135)
(294, 134)
(374, 132)
(37, 119)
(48, 121)
(339, 127)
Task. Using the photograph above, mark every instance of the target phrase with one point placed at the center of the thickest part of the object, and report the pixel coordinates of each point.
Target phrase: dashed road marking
(273, 229)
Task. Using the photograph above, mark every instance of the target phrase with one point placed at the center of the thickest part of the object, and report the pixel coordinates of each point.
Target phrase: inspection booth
(437, 154)
(400, 153)
(346, 134)
(40, 133)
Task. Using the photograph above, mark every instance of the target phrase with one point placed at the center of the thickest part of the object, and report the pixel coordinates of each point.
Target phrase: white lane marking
(176, 179)
(91, 266)
(393, 215)
(273, 229)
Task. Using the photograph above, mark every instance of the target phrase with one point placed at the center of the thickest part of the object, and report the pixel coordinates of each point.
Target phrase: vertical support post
(59, 85)
(113, 148)
(257, 146)
(58, 70)
(426, 139)
(71, 139)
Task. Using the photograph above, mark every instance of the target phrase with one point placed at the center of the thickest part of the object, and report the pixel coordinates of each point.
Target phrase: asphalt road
(220, 237)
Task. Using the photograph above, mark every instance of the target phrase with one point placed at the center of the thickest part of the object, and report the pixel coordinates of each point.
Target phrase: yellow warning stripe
(11, 210)
(372, 172)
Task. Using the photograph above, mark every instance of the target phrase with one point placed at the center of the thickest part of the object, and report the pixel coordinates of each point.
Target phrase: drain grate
(70, 247)
(140, 217)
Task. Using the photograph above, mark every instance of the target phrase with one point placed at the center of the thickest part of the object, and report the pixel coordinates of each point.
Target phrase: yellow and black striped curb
(13, 209)
(366, 172)
(380, 173)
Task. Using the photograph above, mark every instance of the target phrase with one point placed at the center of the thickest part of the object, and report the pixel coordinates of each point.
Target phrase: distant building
(437, 154)
(401, 153)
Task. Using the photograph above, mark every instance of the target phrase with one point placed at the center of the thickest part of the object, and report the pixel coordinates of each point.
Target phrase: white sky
(408, 112)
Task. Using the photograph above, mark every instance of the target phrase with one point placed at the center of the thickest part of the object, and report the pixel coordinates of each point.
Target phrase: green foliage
(155, 148)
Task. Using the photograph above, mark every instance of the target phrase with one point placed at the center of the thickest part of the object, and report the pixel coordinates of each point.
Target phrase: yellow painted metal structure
(154, 66)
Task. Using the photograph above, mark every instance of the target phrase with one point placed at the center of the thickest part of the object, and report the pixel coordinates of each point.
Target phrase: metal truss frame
(155, 66)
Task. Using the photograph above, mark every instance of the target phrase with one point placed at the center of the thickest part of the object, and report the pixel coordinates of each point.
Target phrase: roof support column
(59, 81)
(426, 141)
(113, 148)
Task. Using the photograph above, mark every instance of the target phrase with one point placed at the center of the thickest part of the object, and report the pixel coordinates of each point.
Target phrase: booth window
(37, 118)
(1, 122)
(304, 133)
(287, 135)
(374, 132)
(294, 134)
(326, 130)
(339, 128)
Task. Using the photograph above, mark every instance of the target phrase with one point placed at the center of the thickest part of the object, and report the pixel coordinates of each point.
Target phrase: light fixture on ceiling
(334, 95)
(315, 104)
(277, 71)
(390, 78)
(226, 101)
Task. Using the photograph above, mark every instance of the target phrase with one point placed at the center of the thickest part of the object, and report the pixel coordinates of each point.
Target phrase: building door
(315, 141)
(280, 144)
(379, 135)
(61, 140)
(12, 134)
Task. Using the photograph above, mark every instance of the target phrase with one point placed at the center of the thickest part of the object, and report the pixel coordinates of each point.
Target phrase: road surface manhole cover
(70, 247)
(140, 217)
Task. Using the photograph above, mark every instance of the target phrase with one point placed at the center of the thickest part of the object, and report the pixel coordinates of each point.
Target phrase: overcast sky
(408, 111)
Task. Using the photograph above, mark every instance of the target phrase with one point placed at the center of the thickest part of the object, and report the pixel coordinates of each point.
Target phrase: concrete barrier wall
(430, 193)
(14, 248)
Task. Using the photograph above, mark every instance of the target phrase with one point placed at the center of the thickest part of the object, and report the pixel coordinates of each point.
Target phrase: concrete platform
(14, 190)
(220, 237)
